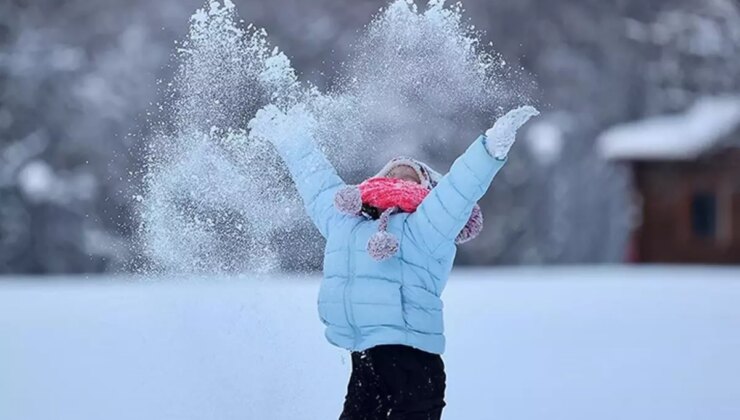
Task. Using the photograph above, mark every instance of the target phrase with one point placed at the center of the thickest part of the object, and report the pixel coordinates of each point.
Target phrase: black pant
(395, 382)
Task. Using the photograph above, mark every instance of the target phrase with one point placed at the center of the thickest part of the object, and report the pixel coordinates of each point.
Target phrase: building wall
(690, 210)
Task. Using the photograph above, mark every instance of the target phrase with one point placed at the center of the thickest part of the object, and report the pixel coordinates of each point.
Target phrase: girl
(390, 245)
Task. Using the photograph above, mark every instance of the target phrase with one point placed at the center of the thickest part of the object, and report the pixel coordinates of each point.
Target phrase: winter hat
(428, 176)
(379, 197)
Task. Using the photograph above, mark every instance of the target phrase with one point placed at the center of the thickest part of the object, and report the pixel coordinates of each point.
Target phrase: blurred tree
(597, 64)
(74, 78)
(78, 78)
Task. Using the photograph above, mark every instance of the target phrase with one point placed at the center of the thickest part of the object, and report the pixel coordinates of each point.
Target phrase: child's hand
(502, 135)
(279, 128)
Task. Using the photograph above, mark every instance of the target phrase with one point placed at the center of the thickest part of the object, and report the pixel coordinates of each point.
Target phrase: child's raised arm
(445, 211)
(315, 178)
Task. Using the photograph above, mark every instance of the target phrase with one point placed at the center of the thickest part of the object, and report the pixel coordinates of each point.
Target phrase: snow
(575, 343)
(417, 79)
(40, 183)
(37, 180)
(674, 137)
(503, 133)
(203, 174)
(545, 141)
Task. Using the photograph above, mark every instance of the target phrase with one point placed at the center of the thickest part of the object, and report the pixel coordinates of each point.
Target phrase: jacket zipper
(348, 288)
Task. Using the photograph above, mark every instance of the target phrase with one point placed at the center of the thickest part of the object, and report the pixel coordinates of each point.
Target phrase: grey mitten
(281, 128)
(502, 135)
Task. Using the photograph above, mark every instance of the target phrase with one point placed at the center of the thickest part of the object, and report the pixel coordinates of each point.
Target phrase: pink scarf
(388, 196)
(386, 193)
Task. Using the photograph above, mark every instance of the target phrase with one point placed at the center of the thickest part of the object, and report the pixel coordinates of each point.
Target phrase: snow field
(565, 343)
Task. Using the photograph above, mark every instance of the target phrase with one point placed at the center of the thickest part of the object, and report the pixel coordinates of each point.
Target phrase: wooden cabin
(686, 180)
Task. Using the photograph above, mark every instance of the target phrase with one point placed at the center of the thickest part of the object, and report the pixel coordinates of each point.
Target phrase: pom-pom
(472, 228)
(384, 193)
(348, 200)
(382, 245)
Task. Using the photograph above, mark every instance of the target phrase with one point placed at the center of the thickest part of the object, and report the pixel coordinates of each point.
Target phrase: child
(380, 296)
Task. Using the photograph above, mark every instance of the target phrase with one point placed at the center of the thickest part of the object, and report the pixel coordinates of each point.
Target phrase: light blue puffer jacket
(364, 302)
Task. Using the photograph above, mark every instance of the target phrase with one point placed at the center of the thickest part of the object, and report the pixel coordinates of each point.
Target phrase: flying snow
(215, 198)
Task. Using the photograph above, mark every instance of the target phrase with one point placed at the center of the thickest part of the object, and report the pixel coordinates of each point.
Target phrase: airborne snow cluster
(216, 199)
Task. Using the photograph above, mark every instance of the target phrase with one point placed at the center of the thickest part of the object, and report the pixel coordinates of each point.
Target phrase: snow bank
(555, 344)
(674, 137)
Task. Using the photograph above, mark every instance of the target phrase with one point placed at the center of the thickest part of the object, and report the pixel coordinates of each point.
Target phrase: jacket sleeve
(315, 178)
(447, 208)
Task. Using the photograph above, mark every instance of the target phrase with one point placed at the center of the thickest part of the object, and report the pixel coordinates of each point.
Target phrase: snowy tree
(74, 78)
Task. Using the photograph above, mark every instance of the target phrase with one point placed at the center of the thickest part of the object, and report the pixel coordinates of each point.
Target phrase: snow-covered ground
(535, 344)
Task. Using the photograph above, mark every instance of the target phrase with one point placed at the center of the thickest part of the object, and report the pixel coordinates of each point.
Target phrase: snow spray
(213, 197)
(417, 81)
(216, 199)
